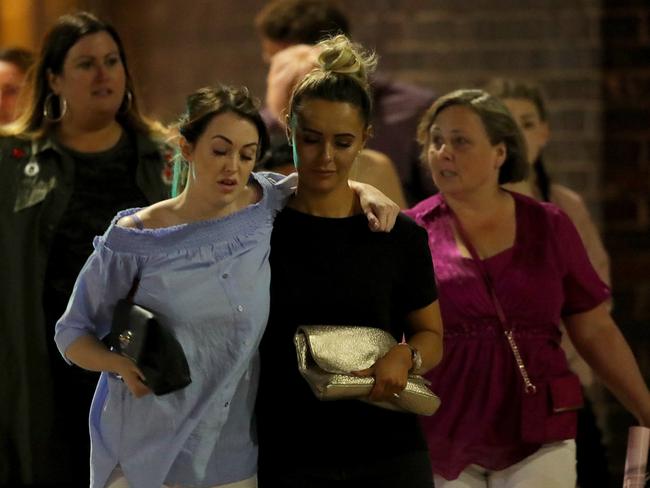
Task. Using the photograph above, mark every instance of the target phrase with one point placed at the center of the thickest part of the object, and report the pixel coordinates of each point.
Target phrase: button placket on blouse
(228, 395)
(225, 276)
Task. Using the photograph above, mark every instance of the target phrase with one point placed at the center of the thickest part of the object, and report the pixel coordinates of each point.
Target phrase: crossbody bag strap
(134, 289)
(507, 329)
(111, 340)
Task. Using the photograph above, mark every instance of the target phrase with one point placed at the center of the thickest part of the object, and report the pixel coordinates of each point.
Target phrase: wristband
(416, 357)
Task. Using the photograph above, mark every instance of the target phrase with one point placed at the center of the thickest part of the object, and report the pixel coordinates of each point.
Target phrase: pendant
(32, 169)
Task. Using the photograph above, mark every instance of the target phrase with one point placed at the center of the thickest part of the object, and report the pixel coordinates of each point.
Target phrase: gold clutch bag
(328, 353)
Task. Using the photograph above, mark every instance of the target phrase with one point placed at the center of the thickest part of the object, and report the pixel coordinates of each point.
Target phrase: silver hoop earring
(48, 108)
(128, 98)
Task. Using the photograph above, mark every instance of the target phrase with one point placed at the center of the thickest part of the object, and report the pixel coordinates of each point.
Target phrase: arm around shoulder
(380, 210)
(377, 169)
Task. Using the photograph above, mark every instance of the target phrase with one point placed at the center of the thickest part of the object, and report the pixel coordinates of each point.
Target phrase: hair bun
(339, 55)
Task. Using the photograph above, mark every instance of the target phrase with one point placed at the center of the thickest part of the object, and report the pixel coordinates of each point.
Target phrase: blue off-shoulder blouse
(209, 283)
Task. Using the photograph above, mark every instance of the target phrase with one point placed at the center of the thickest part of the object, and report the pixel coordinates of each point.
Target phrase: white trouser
(554, 465)
(117, 480)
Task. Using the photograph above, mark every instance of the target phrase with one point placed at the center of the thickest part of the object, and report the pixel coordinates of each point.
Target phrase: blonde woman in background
(526, 103)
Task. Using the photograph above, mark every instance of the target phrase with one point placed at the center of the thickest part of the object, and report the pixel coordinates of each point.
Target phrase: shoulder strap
(507, 329)
(484, 272)
(112, 338)
(133, 290)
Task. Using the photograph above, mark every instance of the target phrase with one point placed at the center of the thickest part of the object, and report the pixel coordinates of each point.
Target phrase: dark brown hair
(498, 123)
(17, 56)
(301, 21)
(205, 104)
(57, 42)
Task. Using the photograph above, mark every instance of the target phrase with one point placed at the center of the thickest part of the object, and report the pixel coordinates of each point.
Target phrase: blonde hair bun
(341, 56)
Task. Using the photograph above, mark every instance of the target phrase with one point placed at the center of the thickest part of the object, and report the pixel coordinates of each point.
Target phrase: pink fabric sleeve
(583, 288)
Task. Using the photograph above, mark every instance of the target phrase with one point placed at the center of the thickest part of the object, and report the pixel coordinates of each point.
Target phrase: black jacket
(36, 182)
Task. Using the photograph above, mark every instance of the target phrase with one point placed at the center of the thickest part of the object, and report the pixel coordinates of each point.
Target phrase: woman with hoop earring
(80, 152)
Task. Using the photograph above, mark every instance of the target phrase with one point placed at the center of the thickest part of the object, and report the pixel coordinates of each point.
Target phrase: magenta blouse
(545, 275)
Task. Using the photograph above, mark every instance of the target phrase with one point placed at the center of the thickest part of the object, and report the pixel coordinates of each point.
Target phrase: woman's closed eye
(344, 143)
(247, 156)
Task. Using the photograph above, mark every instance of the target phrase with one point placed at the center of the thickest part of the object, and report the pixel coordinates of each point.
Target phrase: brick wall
(626, 139)
(625, 191)
(442, 45)
(447, 45)
(176, 46)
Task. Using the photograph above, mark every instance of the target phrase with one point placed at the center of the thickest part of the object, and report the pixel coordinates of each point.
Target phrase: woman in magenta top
(540, 273)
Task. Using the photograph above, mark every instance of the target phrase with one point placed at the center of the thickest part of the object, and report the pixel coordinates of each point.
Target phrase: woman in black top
(80, 152)
(329, 269)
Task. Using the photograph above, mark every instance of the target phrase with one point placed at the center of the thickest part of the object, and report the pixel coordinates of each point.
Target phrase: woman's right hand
(89, 353)
(391, 374)
(131, 375)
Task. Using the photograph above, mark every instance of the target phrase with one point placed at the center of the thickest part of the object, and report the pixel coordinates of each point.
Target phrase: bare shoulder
(568, 200)
(565, 194)
(375, 159)
(128, 221)
(378, 170)
(155, 216)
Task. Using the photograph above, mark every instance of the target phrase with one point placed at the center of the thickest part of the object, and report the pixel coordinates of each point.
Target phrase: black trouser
(591, 457)
(410, 470)
(73, 392)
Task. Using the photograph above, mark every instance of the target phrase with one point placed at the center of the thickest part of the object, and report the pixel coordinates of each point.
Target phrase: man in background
(14, 63)
(287, 30)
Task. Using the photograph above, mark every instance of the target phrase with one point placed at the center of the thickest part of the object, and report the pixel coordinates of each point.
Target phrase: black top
(336, 272)
(104, 183)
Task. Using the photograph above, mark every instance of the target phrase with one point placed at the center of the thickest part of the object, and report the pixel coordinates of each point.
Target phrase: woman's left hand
(391, 374)
(380, 210)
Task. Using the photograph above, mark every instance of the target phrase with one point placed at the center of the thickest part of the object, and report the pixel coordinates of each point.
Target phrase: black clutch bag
(137, 334)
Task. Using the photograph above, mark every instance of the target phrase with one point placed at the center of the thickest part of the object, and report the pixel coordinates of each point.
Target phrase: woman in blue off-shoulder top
(202, 259)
